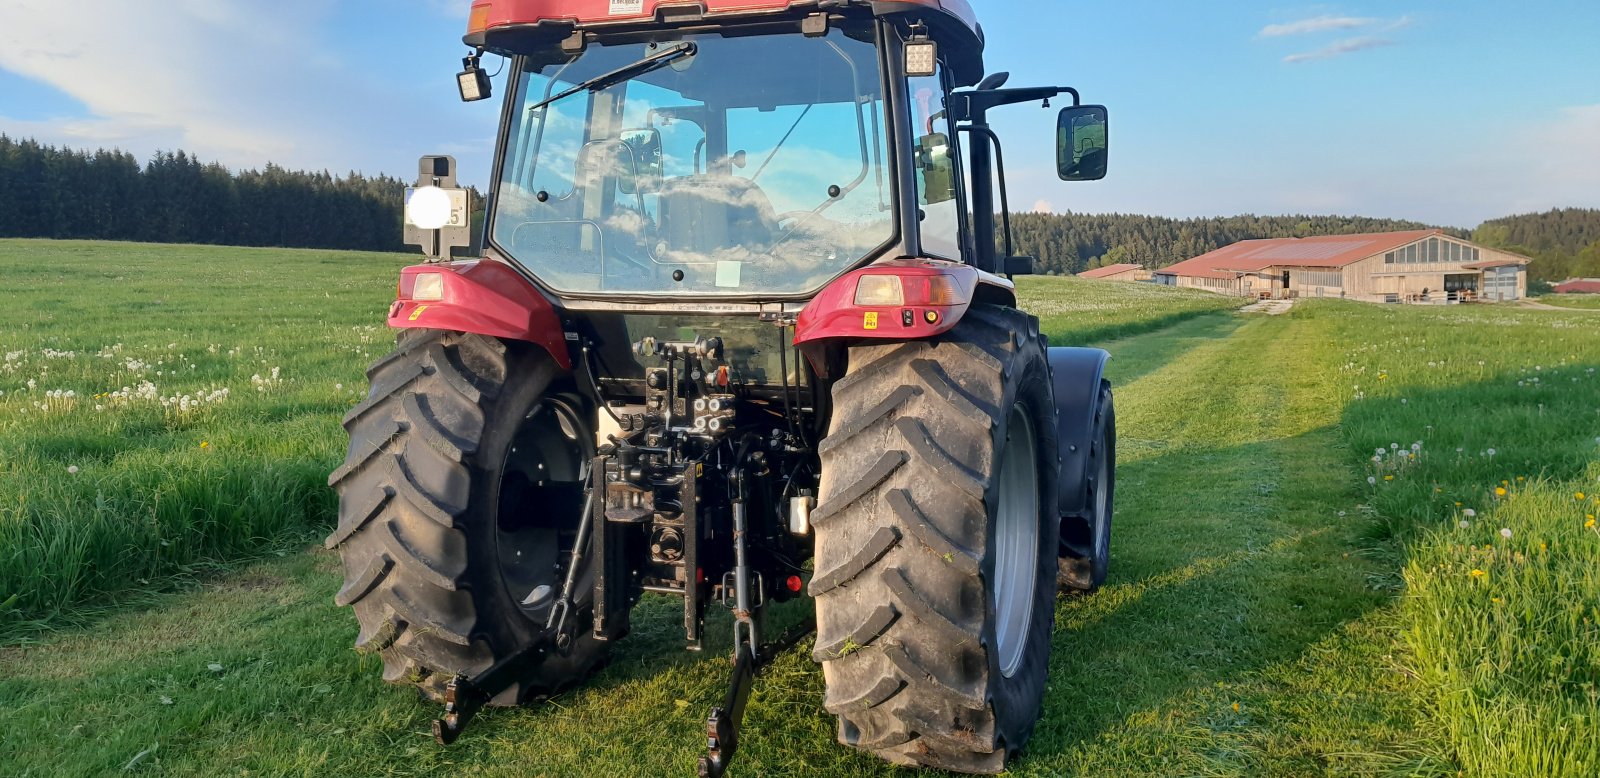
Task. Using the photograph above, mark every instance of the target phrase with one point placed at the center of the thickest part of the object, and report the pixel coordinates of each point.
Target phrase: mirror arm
(973, 105)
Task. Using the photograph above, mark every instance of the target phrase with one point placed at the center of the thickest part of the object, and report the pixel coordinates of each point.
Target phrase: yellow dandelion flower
(1236, 707)
(1476, 573)
(205, 444)
(1499, 491)
(1496, 600)
(1505, 483)
(1589, 524)
(1581, 496)
(1388, 478)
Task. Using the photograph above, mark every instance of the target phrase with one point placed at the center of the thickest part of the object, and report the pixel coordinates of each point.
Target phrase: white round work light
(428, 208)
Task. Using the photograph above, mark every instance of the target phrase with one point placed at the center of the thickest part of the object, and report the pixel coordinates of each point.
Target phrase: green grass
(1077, 311)
(1590, 302)
(1269, 612)
(124, 482)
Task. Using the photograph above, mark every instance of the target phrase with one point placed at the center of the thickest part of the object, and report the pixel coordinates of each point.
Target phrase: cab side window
(933, 145)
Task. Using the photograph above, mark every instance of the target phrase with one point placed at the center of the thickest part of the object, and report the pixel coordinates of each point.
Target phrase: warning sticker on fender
(627, 7)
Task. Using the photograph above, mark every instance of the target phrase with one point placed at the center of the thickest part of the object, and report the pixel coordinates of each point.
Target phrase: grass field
(1588, 302)
(1271, 610)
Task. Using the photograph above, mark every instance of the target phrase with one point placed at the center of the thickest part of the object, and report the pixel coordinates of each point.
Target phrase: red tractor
(742, 331)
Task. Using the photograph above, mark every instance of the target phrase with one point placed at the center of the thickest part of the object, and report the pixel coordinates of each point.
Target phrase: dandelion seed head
(1505, 532)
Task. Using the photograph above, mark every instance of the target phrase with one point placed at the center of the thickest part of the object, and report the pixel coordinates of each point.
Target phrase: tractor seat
(709, 214)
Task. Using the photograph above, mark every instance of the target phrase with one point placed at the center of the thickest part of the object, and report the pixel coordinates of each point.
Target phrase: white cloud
(1339, 49)
(1044, 206)
(1317, 24)
(241, 82)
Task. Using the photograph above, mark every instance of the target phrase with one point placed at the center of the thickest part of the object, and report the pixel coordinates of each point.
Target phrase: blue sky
(1446, 112)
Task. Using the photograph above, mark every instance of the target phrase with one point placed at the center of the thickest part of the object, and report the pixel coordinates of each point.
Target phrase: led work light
(473, 82)
(922, 53)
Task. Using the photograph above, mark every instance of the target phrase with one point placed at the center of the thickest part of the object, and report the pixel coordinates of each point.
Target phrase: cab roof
(515, 26)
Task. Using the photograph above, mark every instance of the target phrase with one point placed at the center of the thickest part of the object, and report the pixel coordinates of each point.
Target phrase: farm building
(1578, 286)
(1419, 266)
(1123, 272)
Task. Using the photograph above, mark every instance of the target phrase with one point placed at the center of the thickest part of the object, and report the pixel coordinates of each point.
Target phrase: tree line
(1565, 242)
(1070, 243)
(51, 192)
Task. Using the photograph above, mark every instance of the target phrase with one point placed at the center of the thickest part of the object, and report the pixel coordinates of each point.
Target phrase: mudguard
(482, 297)
(1076, 374)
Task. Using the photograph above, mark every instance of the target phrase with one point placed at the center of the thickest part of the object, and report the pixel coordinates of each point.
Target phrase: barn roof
(1326, 251)
(1579, 286)
(1109, 270)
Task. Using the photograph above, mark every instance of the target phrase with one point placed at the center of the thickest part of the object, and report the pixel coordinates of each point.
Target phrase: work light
(473, 82)
(922, 54)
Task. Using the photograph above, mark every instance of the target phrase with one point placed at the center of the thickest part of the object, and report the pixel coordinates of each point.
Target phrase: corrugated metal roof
(1109, 270)
(1327, 251)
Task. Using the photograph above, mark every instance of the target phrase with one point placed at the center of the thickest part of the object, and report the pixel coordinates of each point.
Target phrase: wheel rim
(1016, 542)
(1102, 503)
(541, 496)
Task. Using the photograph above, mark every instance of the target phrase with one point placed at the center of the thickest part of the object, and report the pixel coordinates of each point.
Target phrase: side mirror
(648, 165)
(1081, 142)
(1019, 266)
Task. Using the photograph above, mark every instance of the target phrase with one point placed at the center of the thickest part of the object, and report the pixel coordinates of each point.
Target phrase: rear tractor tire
(459, 504)
(937, 542)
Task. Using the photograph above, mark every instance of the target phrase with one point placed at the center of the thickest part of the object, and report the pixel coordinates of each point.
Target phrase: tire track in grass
(1234, 580)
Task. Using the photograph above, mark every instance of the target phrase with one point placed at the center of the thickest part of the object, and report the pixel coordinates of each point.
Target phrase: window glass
(936, 171)
(756, 166)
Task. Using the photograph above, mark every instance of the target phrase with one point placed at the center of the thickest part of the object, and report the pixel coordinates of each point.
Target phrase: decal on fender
(418, 312)
(871, 321)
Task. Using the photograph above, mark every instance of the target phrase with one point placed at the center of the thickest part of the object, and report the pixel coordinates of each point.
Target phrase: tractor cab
(747, 150)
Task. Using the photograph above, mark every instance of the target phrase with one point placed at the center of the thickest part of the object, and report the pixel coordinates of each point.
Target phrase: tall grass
(1480, 431)
(165, 408)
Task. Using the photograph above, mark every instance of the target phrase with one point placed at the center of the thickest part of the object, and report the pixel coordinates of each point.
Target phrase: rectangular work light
(473, 82)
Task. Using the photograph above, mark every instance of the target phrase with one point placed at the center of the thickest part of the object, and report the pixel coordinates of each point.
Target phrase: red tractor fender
(482, 297)
(935, 295)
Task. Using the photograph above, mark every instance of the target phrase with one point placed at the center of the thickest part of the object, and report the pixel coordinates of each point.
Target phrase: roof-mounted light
(922, 53)
(473, 82)
(478, 21)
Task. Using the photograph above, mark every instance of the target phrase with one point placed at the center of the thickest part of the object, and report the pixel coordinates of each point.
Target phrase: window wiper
(649, 64)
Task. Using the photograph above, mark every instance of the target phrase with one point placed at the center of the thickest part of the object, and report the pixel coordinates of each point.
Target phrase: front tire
(937, 543)
(460, 496)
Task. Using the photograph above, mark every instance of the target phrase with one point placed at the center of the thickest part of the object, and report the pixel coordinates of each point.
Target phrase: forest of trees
(48, 192)
(1565, 242)
(1072, 243)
